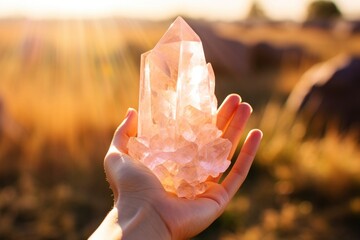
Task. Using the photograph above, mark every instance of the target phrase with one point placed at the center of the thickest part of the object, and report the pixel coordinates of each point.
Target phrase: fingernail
(128, 113)
(251, 109)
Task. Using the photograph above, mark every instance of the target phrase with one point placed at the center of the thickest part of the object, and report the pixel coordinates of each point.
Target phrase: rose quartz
(177, 134)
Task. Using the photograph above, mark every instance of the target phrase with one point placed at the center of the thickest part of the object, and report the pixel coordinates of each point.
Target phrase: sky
(226, 10)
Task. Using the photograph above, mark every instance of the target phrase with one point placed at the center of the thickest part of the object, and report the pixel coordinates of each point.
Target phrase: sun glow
(161, 9)
(88, 8)
(65, 8)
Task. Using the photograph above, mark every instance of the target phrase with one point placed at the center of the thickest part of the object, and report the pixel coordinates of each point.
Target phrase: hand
(143, 209)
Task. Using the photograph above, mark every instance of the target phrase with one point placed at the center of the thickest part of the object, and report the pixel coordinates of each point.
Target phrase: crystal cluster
(177, 134)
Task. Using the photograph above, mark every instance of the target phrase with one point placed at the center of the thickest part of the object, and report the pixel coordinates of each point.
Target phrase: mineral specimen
(177, 134)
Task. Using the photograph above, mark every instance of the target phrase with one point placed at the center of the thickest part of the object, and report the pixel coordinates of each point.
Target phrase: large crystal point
(177, 134)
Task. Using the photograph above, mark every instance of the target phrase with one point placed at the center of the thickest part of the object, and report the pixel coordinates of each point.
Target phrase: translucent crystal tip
(178, 31)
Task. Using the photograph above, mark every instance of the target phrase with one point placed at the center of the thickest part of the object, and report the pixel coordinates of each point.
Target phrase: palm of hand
(184, 218)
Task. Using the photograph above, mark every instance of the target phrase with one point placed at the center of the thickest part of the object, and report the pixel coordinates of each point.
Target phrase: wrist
(109, 228)
(132, 221)
(137, 220)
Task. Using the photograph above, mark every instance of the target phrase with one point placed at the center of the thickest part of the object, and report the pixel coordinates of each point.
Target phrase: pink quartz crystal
(177, 134)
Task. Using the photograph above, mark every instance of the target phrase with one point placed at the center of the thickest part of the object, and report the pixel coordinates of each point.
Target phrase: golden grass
(60, 78)
(66, 85)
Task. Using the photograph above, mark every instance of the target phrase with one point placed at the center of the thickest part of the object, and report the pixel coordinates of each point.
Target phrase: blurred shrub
(323, 10)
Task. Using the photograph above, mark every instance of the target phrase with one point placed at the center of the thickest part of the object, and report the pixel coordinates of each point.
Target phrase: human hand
(143, 209)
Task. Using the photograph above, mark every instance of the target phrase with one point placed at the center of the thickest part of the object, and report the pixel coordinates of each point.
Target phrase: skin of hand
(144, 210)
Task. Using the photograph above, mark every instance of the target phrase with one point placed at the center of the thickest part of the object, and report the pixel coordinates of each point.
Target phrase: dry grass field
(66, 84)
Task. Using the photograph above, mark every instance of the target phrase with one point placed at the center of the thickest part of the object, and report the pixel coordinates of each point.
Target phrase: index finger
(226, 111)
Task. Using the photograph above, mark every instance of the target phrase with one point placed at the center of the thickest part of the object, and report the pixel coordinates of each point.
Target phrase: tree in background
(323, 10)
(256, 12)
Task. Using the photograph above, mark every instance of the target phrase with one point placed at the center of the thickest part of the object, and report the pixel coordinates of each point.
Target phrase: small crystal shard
(177, 134)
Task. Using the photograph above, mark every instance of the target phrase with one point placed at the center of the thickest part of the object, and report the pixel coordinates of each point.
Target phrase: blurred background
(70, 69)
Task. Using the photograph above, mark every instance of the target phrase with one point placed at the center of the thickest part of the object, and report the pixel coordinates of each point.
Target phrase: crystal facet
(177, 134)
